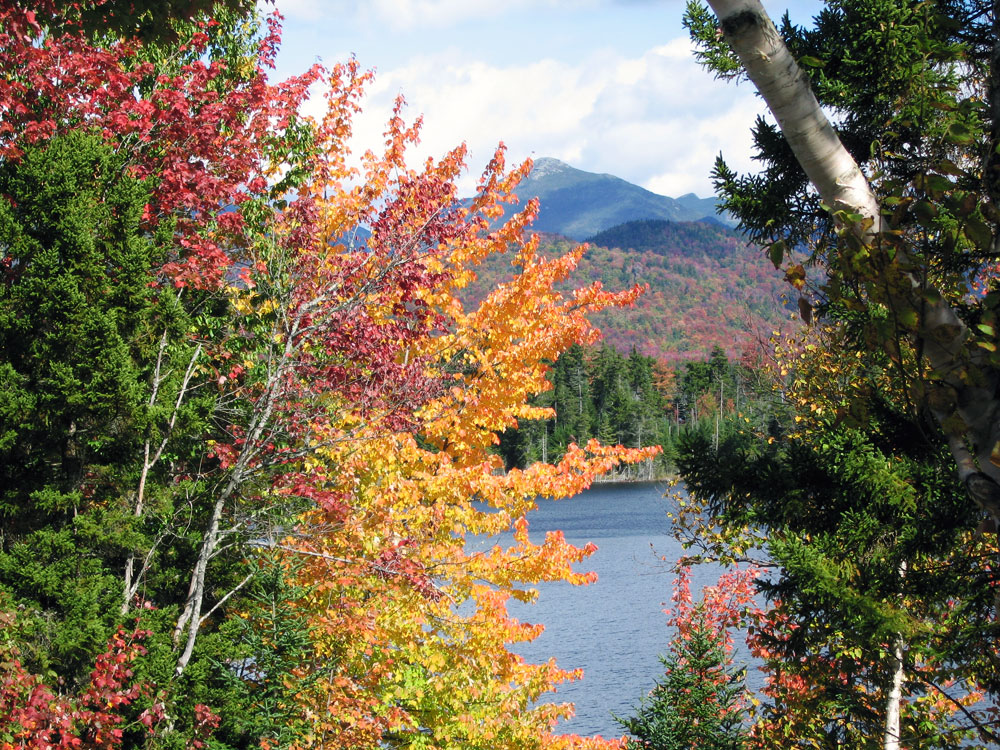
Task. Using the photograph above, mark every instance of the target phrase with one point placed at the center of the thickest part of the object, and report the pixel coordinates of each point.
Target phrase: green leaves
(979, 233)
(776, 252)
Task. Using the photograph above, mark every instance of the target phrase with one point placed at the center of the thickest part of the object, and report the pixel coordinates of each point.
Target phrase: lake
(615, 628)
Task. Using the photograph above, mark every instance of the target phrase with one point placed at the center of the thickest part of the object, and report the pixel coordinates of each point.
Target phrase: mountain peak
(546, 165)
(578, 204)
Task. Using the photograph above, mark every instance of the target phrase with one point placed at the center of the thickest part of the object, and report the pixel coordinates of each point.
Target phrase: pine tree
(697, 702)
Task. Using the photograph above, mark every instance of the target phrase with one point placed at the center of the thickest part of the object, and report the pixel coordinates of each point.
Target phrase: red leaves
(32, 716)
(726, 605)
(206, 136)
(205, 723)
(393, 561)
(411, 628)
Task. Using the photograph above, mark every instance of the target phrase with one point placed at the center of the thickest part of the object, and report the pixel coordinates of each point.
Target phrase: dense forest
(707, 288)
(634, 401)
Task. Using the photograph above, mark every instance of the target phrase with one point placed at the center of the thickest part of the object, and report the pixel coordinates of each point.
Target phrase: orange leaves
(410, 621)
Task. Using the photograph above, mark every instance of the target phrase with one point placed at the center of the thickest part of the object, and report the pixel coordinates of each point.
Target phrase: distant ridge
(708, 235)
(707, 287)
(579, 204)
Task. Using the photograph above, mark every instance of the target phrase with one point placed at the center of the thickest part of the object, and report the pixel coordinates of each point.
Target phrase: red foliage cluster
(201, 134)
(33, 716)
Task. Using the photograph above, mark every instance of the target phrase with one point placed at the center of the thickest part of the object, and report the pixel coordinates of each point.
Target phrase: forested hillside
(707, 288)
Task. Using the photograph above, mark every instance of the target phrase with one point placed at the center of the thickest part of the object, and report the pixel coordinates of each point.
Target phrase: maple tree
(409, 625)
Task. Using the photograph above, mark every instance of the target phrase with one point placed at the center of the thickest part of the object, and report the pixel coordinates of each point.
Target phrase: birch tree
(894, 201)
(959, 363)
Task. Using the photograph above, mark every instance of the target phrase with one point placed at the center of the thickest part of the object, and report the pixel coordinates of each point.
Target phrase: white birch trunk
(894, 701)
(893, 708)
(191, 618)
(842, 186)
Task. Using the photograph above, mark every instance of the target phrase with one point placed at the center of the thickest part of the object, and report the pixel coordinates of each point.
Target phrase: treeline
(631, 400)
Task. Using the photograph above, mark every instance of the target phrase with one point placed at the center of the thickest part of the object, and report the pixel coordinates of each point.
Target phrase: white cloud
(655, 119)
(414, 14)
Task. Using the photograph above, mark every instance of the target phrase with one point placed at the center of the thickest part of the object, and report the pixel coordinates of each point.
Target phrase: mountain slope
(578, 204)
(707, 287)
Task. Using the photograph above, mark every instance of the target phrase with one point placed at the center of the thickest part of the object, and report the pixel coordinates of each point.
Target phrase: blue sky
(605, 85)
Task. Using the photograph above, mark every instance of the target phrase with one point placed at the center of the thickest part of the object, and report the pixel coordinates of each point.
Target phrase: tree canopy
(246, 425)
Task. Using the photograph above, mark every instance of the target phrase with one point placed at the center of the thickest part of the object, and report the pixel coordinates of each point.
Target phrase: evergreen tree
(77, 336)
(880, 600)
(898, 210)
(574, 404)
(697, 703)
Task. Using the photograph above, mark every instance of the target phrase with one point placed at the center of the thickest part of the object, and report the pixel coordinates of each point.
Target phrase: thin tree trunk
(894, 701)
(132, 581)
(191, 619)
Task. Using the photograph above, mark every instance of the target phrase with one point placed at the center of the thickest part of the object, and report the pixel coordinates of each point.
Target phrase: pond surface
(615, 628)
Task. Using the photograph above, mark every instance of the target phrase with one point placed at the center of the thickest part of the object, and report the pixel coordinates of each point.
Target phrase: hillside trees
(897, 206)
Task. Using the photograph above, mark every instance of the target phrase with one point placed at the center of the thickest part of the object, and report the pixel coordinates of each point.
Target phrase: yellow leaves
(409, 617)
(796, 276)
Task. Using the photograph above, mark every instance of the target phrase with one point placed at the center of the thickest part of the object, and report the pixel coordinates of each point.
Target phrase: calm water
(615, 628)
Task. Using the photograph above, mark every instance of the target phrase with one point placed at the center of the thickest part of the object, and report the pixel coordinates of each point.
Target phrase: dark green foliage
(696, 702)
(93, 358)
(75, 306)
(665, 237)
(843, 516)
(147, 20)
(892, 73)
(704, 387)
(272, 642)
(597, 393)
(76, 311)
(874, 536)
(636, 402)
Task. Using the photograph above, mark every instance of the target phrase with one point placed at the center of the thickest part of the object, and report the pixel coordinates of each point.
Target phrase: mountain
(578, 204)
(707, 287)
